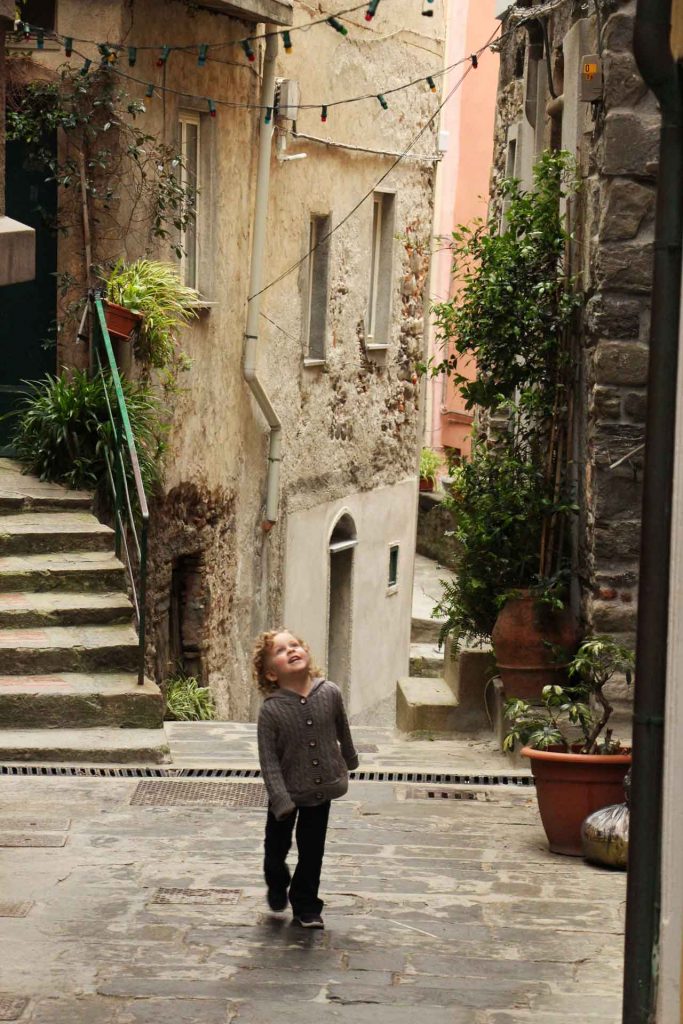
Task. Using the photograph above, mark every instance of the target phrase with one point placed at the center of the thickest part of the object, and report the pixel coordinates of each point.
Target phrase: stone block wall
(617, 144)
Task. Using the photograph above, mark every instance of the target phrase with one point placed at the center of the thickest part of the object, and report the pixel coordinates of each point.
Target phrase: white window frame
(187, 117)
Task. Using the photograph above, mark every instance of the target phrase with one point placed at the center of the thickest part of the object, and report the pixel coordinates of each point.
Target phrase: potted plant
(429, 464)
(159, 302)
(577, 763)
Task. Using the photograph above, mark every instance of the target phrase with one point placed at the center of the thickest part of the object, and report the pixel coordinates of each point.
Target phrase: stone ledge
(17, 252)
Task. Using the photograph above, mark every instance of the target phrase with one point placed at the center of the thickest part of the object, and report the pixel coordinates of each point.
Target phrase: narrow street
(452, 905)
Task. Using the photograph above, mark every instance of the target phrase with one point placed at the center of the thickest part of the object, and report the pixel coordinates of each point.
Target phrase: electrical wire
(371, 191)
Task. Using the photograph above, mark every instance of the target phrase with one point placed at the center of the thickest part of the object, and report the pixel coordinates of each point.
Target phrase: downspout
(256, 282)
(664, 76)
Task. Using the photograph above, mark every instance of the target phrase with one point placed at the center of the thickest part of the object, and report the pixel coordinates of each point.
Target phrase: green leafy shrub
(63, 432)
(187, 701)
(580, 708)
(429, 464)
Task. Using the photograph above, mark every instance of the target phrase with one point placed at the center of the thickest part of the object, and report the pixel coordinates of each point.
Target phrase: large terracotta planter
(121, 322)
(526, 638)
(571, 786)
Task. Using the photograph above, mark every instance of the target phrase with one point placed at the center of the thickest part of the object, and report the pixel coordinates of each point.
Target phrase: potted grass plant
(578, 764)
(148, 295)
(429, 465)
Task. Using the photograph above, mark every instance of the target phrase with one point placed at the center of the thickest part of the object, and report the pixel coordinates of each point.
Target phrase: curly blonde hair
(262, 647)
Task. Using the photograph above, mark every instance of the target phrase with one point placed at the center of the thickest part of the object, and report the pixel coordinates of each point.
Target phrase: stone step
(425, 706)
(84, 746)
(426, 659)
(424, 630)
(72, 571)
(19, 492)
(68, 649)
(36, 532)
(73, 700)
(24, 610)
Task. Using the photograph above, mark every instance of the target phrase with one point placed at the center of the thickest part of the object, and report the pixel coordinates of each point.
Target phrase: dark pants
(311, 829)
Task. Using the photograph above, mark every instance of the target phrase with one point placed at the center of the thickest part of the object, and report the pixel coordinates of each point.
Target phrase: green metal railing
(130, 531)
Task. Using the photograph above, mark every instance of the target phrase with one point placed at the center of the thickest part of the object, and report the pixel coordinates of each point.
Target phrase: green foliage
(578, 709)
(64, 433)
(187, 701)
(429, 464)
(500, 504)
(513, 304)
(154, 289)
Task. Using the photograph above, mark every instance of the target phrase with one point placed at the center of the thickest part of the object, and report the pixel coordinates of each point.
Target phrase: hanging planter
(121, 322)
(533, 642)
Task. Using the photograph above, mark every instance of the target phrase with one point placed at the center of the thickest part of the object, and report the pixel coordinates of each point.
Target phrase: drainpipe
(665, 77)
(256, 282)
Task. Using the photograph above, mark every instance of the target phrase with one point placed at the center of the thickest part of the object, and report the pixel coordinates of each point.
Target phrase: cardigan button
(312, 743)
(317, 781)
(302, 700)
(315, 763)
(309, 721)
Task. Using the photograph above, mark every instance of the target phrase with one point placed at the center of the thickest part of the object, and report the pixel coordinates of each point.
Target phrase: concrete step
(36, 532)
(74, 700)
(424, 630)
(84, 746)
(24, 610)
(19, 492)
(68, 649)
(72, 571)
(425, 705)
(426, 659)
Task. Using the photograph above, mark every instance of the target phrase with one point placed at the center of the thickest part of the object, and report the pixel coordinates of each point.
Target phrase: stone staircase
(442, 695)
(68, 649)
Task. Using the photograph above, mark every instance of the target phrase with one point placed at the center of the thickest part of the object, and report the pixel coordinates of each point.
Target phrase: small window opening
(519, 60)
(38, 13)
(189, 143)
(317, 290)
(187, 616)
(393, 565)
(381, 260)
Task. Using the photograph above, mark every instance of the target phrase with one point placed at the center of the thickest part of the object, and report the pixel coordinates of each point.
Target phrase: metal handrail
(124, 448)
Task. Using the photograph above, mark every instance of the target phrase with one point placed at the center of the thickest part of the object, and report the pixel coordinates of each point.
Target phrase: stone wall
(616, 144)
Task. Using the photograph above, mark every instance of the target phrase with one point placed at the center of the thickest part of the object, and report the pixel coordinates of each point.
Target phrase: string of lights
(324, 238)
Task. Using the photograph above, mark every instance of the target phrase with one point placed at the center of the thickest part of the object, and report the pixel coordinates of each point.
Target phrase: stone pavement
(452, 909)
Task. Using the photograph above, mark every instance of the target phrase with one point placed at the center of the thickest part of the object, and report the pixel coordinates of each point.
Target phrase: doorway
(340, 604)
(28, 310)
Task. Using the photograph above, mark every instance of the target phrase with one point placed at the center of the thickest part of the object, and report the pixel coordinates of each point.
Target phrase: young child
(305, 751)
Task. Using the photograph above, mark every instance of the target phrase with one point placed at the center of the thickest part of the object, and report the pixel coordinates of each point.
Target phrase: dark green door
(28, 310)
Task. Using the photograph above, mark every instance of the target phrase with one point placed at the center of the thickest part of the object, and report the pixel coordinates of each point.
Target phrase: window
(381, 252)
(393, 565)
(318, 273)
(40, 13)
(189, 143)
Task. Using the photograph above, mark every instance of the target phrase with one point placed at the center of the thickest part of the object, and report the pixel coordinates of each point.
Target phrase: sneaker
(309, 920)
(277, 903)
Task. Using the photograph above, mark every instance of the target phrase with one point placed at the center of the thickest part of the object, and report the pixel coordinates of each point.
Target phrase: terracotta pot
(571, 786)
(525, 639)
(426, 485)
(121, 322)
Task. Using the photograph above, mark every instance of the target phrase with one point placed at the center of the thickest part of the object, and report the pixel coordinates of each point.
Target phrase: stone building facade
(339, 335)
(612, 127)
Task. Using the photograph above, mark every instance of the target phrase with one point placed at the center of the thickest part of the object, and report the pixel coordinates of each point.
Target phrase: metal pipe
(249, 371)
(665, 78)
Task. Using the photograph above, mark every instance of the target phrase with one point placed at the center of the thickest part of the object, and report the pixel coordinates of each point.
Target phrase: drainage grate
(15, 909)
(12, 1007)
(95, 771)
(171, 793)
(30, 839)
(480, 795)
(199, 896)
(26, 823)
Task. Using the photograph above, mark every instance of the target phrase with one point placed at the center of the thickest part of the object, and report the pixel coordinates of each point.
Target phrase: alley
(139, 900)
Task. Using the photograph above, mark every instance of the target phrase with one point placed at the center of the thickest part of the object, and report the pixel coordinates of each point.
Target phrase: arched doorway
(343, 540)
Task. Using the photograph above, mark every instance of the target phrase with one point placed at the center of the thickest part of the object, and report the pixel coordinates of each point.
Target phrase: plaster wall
(349, 422)
(380, 633)
(462, 196)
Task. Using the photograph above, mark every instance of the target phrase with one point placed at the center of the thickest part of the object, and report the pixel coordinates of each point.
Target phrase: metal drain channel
(94, 771)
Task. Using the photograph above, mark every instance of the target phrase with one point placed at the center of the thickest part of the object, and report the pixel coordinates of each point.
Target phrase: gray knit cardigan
(305, 747)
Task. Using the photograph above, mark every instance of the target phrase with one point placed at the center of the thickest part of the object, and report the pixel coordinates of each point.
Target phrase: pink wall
(462, 190)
